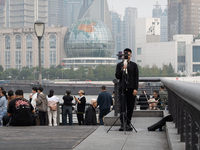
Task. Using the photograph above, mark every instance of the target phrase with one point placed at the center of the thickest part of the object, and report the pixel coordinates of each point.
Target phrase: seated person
(160, 123)
(142, 101)
(20, 111)
(154, 101)
(90, 114)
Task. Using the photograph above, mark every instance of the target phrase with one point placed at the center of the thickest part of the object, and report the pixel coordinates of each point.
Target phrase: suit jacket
(132, 76)
(81, 106)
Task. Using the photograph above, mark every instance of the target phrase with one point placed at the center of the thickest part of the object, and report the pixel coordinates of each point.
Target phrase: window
(139, 51)
(18, 42)
(42, 58)
(196, 53)
(42, 43)
(18, 59)
(52, 58)
(7, 42)
(29, 42)
(7, 60)
(196, 68)
(181, 55)
(29, 59)
(52, 41)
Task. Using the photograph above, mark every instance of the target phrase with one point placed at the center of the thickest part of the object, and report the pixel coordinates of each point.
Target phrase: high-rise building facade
(55, 12)
(97, 9)
(22, 13)
(157, 12)
(173, 18)
(118, 32)
(130, 22)
(71, 11)
(183, 17)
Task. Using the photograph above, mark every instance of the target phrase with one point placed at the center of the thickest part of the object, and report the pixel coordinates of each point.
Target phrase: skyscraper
(71, 11)
(183, 17)
(22, 13)
(130, 23)
(189, 17)
(55, 12)
(157, 12)
(97, 9)
(117, 31)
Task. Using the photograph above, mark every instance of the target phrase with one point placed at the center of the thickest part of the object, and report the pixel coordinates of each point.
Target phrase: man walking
(130, 73)
(104, 101)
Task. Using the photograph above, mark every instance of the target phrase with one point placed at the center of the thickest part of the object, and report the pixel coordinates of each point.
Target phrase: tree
(90, 74)
(171, 71)
(81, 73)
(1, 68)
(12, 73)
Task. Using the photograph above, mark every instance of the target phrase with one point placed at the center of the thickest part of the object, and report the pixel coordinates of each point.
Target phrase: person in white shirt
(52, 108)
(33, 97)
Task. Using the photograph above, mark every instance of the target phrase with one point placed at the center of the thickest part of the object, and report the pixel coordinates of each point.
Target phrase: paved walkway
(84, 137)
(43, 137)
(116, 140)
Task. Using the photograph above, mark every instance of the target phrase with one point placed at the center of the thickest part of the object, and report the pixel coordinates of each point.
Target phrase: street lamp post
(39, 27)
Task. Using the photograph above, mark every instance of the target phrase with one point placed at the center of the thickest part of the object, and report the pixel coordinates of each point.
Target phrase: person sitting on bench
(154, 101)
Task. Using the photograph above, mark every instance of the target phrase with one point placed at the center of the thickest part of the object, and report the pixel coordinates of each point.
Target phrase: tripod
(123, 114)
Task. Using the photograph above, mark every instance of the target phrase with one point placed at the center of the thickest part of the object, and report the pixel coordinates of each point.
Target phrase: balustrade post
(188, 132)
(183, 125)
(195, 136)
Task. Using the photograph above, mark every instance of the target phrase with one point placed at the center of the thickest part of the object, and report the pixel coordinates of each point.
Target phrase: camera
(120, 54)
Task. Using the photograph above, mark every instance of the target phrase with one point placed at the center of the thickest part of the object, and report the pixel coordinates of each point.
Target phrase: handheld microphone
(125, 63)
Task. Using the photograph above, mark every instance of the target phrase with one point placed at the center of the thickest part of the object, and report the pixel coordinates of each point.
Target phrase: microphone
(125, 63)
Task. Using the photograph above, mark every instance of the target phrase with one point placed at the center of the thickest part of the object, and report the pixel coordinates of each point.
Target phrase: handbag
(52, 105)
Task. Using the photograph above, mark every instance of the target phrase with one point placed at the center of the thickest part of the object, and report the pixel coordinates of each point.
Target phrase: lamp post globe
(39, 27)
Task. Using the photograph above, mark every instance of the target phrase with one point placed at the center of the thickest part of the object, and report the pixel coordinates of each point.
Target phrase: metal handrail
(184, 106)
(190, 92)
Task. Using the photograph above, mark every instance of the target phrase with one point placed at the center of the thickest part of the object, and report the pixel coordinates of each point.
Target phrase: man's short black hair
(34, 89)
(127, 50)
(40, 89)
(10, 93)
(103, 87)
(19, 92)
(68, 92)
(162, 87)
(2, 88)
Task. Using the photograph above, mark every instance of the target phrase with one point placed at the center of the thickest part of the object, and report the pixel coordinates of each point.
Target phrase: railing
(184, 106)
(147, 88)
(59, 113)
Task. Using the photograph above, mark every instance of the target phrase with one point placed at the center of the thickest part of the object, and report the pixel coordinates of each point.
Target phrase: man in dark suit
(130, 73)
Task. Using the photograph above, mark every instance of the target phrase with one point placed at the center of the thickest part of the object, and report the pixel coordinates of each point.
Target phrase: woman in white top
(52, 108)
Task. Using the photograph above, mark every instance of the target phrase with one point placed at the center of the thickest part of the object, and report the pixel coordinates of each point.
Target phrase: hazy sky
(144, 6)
